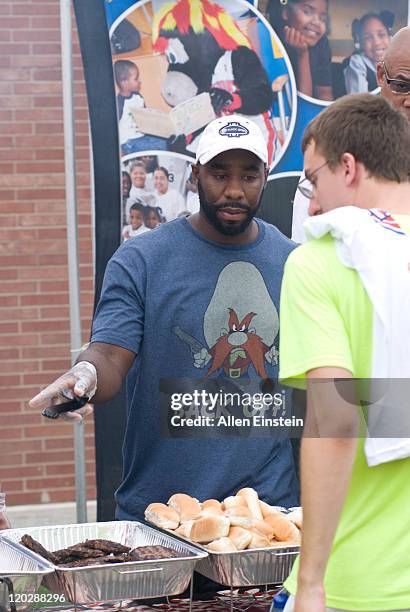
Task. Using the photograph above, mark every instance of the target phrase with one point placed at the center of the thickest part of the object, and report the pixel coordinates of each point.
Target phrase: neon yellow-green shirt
(326, 320)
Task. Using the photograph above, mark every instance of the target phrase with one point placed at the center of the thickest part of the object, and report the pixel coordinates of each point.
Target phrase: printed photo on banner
(178, 65)
(334, 46)
(156, 187)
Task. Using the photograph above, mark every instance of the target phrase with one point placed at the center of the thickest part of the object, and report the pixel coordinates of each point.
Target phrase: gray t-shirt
(169, 285)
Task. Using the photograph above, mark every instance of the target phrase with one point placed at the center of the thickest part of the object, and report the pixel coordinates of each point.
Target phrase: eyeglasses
(308, 190)
(396, 86)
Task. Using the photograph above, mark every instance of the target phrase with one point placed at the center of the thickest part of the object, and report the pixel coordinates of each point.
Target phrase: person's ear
(380, 74)
(350, 168)
(195, 170)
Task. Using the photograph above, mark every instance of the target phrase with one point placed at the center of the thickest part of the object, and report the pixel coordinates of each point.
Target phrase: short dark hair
(164, 170)
(369, 128)
(122, 69)
(138, 206)
(275, 12)
(385, 17)
(153, 209)
(137, 164)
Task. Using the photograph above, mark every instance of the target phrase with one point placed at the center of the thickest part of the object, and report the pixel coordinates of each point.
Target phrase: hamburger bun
(162, 516)
(240, 537)
(209, 528)
(187, 507)
(222, 545)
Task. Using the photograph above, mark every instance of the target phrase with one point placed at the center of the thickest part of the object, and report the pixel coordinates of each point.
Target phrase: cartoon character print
(204, 45)
(240, 326)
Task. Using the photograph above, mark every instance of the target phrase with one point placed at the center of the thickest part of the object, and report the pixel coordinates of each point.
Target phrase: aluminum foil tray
(21, 573)
(110, 582)
(251, 567)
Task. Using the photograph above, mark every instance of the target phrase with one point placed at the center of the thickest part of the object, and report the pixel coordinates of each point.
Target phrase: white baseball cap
(231, 132)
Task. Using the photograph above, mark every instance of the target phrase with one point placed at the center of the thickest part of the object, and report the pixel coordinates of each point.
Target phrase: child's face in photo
(136, 219)
(132, 84)
(374, 39)
(160, 181)
(309, 18)
(138, 177)
(151, 220)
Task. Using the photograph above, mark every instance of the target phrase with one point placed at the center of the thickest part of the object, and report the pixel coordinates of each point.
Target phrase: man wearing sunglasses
(393, 76)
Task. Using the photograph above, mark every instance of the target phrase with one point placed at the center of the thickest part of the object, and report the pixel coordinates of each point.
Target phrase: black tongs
(71, 404)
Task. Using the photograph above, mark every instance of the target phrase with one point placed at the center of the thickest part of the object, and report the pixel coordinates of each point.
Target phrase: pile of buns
(239, 522)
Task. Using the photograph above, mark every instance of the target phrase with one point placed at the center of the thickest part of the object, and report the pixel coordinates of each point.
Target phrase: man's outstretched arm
(98, 374)
(327, 454)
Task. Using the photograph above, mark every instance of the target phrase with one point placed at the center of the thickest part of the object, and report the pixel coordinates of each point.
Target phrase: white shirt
(300, 214)
(172, 203)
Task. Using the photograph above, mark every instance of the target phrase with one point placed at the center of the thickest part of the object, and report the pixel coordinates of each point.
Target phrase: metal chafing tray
(251, 567)
(21, 573)
(243, 568)
(110, 582)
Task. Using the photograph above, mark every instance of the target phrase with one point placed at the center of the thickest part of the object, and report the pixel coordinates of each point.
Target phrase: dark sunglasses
(396, 86)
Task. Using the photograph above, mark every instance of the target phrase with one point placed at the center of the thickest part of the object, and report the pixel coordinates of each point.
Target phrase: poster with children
(156, 187)
(179, 64)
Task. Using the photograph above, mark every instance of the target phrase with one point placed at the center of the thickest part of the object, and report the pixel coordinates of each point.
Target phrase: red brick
(49, 128)
(62, 496)
(6, 194)
(43, 352)
(55, 312)
(49, 457)
(15, 102)
(54, 470)
(36, 36)
(47, 101)
(8, 274)
(8, 328)
(16, 154)
(26, 340)
(66, 443)
(47, 75)
(18, 287)
(5, 9)
(43, 299)
(12, 433)
(15, 499)
(8, 407)
(12, 23)
(26, 446)
(54, 287)
(14, 48)
(38, 88)
(12, 485)
(45, 194)
(16, 128)
(46, 21)
(9, 300)
(7, 459)
(58, 273)
(37, 8)
(56, 338)
(6, 88)
(53, 154)
(27, 471)
(55, 429)
(56, 365)
(14, 75)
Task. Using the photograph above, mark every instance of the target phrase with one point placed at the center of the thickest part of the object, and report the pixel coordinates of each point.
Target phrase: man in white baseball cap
(196, 299)
(231, 169)
(231, 132)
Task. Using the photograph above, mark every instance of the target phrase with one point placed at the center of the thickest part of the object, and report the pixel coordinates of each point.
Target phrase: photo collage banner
(177, 65)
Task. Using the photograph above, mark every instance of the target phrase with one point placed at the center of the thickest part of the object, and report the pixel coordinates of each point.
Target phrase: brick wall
(36, 455)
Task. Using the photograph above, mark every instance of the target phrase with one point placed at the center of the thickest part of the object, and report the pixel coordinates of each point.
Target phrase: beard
(227, 228)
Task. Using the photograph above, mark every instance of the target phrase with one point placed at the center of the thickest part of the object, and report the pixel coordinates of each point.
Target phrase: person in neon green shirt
(356, 537)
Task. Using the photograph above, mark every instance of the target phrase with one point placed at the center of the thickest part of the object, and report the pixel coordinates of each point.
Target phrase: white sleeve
(355, 75)
(300, 214)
